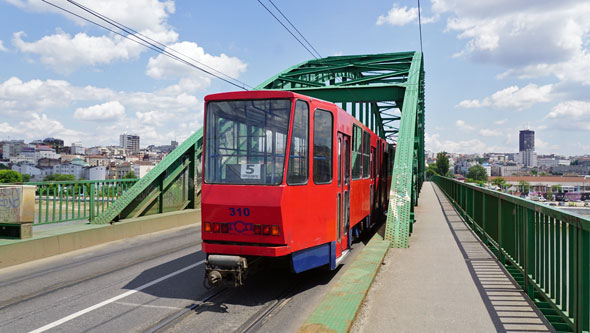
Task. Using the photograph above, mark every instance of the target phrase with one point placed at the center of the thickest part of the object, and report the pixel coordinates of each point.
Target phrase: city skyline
(486, 71)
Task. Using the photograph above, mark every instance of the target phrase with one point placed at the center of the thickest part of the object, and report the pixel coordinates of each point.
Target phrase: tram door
(373, 183)
(343, 223)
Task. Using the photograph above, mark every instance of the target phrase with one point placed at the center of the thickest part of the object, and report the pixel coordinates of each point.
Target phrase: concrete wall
(17, 203)
(21, 251)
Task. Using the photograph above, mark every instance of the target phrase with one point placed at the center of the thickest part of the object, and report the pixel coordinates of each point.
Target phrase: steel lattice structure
(381, 90)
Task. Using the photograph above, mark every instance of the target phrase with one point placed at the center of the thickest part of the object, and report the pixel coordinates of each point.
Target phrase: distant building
(56, 144)
(527, 155)
(95, 173)
(526, 140)
(129, 142)
(141, 168)
(77, 149)
(12, 148)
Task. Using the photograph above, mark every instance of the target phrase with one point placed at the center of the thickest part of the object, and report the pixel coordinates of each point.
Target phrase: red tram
(286, 175)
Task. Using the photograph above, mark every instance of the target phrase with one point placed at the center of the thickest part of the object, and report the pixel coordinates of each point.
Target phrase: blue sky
(492, 66)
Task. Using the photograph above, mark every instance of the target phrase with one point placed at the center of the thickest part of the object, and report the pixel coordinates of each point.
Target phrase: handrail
(547, 249)
(62, 201)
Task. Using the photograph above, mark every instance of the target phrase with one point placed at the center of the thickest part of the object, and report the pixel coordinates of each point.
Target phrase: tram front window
(246, 141)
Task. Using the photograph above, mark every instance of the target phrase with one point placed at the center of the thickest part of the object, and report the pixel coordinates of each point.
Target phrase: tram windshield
(246, 141)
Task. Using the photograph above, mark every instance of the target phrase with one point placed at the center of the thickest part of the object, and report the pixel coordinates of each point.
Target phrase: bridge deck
(446, 281)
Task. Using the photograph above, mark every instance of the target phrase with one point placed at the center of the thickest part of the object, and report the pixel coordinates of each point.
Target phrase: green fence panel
(546, 249)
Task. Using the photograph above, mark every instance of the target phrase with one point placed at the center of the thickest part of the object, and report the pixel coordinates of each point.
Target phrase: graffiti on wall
(10, 203)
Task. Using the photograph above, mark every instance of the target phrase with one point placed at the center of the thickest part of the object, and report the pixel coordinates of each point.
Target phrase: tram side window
(357, 134)
(322, 146)
(366, 152)
(298, 156)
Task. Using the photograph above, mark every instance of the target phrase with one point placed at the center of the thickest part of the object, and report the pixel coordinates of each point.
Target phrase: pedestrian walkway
(446, 281)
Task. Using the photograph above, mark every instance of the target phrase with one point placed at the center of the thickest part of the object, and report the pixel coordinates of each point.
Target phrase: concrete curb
(83, 236)
(338, 308)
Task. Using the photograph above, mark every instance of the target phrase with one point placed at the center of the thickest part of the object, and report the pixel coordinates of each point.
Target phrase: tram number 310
(239, 212)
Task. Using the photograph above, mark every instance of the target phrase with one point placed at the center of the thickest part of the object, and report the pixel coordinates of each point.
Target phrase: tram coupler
(225, 269)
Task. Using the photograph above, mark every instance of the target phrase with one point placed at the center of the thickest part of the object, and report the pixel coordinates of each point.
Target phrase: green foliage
(500, 182)
(442, 164)
(130, 175)
(477, 172)
(26, 177)
(4, 167)
(549, 194)
(534, 172)
(10, 176)
(556, 188)
(524, 186)
(431, 170)
(57, 177)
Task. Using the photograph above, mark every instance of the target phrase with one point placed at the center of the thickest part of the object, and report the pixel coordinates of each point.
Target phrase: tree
(524, 185)
(130, 175)
(442, 164)
(4, 167)
(556, 188)
(58, 177)
(549, 194)
(500, 182)
(10, 176)
(534, 172)
(26, 178)
(431, 170)
(477, 173)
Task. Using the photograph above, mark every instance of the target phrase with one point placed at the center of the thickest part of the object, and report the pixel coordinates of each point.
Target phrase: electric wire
(143, 42)
(288, 30)
(134, 32)
(299, 32)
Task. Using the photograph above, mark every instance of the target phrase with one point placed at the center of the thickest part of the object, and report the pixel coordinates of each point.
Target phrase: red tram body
(286, 175)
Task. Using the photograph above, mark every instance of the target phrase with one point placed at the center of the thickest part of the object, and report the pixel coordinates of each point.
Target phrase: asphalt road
(137, 284)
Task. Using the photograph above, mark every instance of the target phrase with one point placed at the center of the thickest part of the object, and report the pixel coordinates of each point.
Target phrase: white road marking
(149, 306)
(114, 299)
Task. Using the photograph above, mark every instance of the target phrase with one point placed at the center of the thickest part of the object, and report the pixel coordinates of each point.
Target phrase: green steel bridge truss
(383, 91)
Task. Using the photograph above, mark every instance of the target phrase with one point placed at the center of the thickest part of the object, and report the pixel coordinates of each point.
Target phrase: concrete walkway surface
(447, 281)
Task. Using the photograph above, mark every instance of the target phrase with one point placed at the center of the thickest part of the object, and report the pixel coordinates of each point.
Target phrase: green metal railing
(76, 200)
(547, 250)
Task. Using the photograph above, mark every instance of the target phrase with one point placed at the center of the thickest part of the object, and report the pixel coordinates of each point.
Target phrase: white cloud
(513, 97)
(434, 143)
(39, 125)
(2, 48)
(570, 115)
(101, 112)
(523, 36)
(501, 121)
(398, 16)
(464, 126)
(18, 97)
(65, 53)
(163, 67)
(489, 132)
(139, 14)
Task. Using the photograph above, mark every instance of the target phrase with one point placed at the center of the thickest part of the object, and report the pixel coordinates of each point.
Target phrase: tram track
(250, 325)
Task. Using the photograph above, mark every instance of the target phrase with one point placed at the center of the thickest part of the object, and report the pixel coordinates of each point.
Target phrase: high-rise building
(527, 140)
(129, 142)
(527, 154)
(54, 143)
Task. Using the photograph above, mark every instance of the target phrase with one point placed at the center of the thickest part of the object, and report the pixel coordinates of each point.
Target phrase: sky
(493, 67)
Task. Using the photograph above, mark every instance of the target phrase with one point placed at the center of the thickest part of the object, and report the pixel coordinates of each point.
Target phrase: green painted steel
(63, 201)
(379, 90)
(170, 185)
(547, 250)
(375, 88)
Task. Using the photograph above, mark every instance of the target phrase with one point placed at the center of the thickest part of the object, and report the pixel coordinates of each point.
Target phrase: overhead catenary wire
(288, 30)
(146, 43)
(133, 32)
(299, 32)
